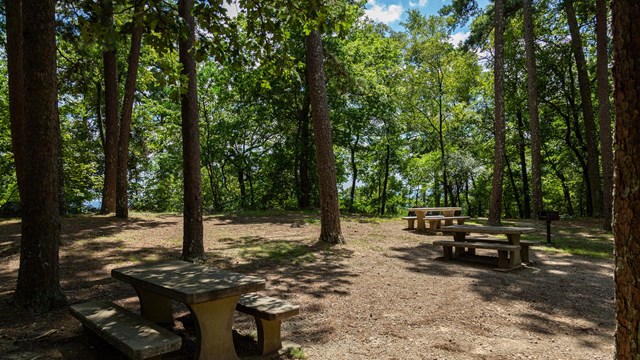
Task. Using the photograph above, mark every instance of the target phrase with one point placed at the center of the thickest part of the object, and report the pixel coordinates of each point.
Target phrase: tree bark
(112, 124)
(16, 87)
(330, 231)
(122, 199)
(523, 168)
(38, 287)
(604, 112)
(354, 171)
(498, 87)
(587, 110)
(192, 244)
(304, 141)
(385, 182)
(514, 188)
(626, 206)
(532, 101)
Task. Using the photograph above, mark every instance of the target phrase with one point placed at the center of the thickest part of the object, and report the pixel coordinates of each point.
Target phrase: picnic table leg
(514, 239)
(214, 336)
(420, 218)
(155, 307)
(459, 236)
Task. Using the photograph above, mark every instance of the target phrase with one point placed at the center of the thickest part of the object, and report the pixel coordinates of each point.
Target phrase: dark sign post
(548, 216)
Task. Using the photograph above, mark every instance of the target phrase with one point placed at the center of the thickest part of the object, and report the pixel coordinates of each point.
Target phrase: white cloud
(457, 38)
(420, 3)
(383, 13)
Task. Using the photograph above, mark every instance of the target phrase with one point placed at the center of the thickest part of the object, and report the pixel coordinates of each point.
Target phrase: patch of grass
(580, 237)
(578, 243)
(296, 354)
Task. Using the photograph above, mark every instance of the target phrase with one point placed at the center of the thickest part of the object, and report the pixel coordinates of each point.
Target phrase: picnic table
(513, 239)
(210, 294)
(446, 212)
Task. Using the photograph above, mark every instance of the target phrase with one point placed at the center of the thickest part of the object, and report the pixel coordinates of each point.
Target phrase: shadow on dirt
(292, 267)
(552, 288)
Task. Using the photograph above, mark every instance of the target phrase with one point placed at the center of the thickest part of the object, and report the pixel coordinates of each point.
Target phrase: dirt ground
(386, 294)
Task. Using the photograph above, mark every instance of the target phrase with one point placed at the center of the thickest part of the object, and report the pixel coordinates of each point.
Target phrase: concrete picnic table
(210, 294)
(512, 232)
(420, 213)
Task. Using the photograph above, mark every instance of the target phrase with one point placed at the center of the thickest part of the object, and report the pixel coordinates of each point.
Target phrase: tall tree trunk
(604, 112)
(565, 188)
(16, 88)
(385, 182)
(112, 124)
(192, 243)
(304, 147)
(354, 171)
(443, 155)
(498, 87)
(523, 168)
(587, 110)
(466, 198)
(534, 122)
(122, 199)
(330, 231)
(100, 124)
(514, 188)
(38, 287)
(626, 206)
(436, 190)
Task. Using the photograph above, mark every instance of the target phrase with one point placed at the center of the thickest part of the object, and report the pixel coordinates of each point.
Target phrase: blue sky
(393, 12)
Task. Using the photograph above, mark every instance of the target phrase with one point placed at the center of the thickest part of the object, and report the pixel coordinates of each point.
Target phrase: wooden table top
(436, 209)
(186, 282)
(488, 229)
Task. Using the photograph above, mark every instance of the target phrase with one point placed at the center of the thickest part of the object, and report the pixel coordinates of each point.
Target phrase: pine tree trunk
(587, 110)
(385, 182)
(304, 147)
(16, 87)
(192, 244)
(532, 101)
(122, 199)
(498, 87)
(112, 124)
(523, 168)
(354, 171)
(626, 206)
(38, 287)
(604, 112)
(330, 231)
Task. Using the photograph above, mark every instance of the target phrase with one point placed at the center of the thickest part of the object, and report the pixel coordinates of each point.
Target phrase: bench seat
(133, 335)
(504, 260)
(268, 313)
(410, 221)
(524, 245)
(435, 221)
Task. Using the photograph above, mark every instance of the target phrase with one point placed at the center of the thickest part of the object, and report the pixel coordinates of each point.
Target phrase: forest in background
(411, 113)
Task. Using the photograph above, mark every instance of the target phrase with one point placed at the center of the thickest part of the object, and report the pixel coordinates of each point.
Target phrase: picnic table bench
(512, 248)
(421, 213)
(410, 221)
(268, 313)
(211, 295)
(133, 335)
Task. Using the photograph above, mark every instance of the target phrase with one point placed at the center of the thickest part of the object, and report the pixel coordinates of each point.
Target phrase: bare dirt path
(386, 294)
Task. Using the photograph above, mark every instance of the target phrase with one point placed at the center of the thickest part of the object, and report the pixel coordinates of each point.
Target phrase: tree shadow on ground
(292, 267)
(242, 218)
(551, 288)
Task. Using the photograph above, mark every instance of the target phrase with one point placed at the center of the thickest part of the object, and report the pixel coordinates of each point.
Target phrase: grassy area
(579, 237)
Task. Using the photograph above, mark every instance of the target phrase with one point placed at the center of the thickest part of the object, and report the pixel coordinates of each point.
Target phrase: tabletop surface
(488, 229)
(186, 282)
(436, 209)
